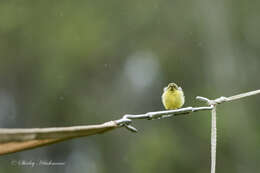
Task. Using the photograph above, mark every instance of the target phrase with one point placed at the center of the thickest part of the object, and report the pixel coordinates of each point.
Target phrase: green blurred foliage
(67, 63)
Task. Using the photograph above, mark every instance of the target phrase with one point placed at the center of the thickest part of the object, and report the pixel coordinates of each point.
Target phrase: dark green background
(65, 63)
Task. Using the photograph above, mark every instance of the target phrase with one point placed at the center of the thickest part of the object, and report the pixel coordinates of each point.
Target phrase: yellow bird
(173, 97)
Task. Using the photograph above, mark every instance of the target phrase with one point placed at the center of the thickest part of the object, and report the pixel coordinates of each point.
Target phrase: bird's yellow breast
(173, 99)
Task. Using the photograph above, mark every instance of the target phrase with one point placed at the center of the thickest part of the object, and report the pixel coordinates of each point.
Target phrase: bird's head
(172, 87)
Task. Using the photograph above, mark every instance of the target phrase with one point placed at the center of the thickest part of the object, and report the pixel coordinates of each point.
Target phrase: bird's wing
(163, 99)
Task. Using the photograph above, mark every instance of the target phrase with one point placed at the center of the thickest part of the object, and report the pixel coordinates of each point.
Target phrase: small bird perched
(173, 97)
